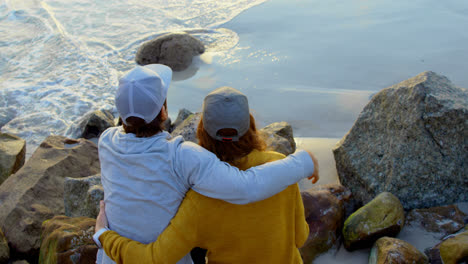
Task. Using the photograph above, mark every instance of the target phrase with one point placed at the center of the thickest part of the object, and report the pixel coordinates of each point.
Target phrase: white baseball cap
(226, 107)
(142, 92)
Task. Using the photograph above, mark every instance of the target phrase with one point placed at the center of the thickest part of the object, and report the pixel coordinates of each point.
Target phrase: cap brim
(164, 72)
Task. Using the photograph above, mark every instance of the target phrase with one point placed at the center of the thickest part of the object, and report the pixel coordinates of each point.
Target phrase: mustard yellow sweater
(268, 231)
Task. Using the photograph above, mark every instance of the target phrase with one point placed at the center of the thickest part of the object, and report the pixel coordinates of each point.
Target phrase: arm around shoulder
(211, 177)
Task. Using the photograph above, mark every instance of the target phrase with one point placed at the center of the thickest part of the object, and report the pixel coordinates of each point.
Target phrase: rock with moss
(175, 50)
(68, 240)
(392, 250)
(4, 249)
(411, 140)
(442, 219)
(35, 193)
(12, 155)
(383, 216)
(324, 213)
(453, 249)
(82, 196)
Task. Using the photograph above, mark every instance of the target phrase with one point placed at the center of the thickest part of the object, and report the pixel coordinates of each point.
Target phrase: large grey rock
(82, 196)
(188, 128)
(35, 193)
(12, 155)
(4, 249)
(92, 124)
(410, 140)
(175, 50)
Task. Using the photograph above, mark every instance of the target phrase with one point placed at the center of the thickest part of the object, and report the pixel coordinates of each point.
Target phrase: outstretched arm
(211, 177)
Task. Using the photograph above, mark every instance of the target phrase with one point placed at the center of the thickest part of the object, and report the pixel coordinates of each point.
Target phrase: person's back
(268, 231)
(140, 180)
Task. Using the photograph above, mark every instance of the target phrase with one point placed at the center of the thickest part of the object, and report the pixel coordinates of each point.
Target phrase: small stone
(391, 250)
(454, 249)
(443, 219)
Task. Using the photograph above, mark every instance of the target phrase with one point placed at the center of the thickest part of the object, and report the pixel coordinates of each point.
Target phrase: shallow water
(312, 63)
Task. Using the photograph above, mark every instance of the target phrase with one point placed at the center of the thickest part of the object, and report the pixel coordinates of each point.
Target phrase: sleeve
(211, 177)
(301, 226)
(172, 244)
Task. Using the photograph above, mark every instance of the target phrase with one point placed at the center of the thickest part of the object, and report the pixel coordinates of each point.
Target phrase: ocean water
(312, 63)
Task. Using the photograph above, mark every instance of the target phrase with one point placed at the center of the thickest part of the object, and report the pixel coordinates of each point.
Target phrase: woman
(269, 231)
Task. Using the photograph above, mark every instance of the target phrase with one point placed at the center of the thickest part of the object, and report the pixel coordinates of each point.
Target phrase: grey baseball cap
(142, 92)
(226, 107)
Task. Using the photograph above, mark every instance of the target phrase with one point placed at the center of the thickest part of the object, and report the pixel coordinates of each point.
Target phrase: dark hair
(137, 126)
(230, 151)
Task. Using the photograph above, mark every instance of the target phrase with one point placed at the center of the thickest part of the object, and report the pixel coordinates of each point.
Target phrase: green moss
(382, 212)
(48, 253)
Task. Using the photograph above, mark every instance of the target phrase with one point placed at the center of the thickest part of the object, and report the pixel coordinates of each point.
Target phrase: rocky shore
(403, 164)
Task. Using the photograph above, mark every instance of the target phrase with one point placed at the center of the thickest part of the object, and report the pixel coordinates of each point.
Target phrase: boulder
(411, 140)
(443, 219)
(82, 196)
(12, 155)
(282, 129)
(175, 50)
(181, 116)
(388, 250)
(324, 212)
(454, 249)
(4, 249)
(277, 143)
(68, 240)
(92, 124)
(188, 128)
(383, 216)
(35, 193)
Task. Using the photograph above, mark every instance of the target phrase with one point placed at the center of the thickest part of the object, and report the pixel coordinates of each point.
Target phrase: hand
(101, 220)
(315, 176)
